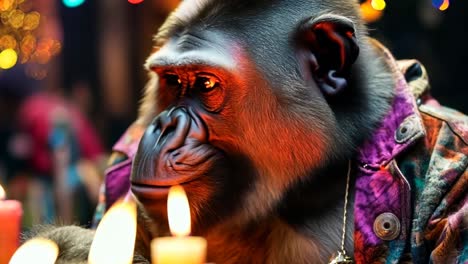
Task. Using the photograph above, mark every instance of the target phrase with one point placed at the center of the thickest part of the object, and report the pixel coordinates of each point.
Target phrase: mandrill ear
(332, 49)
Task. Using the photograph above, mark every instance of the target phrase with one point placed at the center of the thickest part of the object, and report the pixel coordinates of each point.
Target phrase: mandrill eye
(171, 80)
(205, 83)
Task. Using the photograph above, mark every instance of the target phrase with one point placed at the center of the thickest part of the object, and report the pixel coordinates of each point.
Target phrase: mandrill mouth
(173, 150)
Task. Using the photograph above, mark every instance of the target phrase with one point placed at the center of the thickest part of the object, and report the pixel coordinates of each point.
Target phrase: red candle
(10, 225)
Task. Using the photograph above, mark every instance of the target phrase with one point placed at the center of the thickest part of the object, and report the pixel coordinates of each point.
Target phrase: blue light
(73, 3)
(437, 3)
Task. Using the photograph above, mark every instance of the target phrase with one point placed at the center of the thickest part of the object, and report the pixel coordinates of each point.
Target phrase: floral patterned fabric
(411, 203)
(414, 167)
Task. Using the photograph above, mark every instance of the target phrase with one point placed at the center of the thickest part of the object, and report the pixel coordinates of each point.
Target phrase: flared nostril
(154, 129)
(169, 129)
(173, 109)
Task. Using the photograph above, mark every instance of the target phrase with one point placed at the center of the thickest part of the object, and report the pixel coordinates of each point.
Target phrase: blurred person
(53, 153)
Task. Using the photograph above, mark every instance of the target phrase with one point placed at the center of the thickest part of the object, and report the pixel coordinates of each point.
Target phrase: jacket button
(406, 130)
(387, 226)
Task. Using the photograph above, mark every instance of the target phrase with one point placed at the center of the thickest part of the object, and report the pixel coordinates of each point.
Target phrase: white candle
(114, 241)
(37, 250)
(181, 249)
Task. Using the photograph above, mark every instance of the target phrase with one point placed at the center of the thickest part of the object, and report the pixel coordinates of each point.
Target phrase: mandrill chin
(295, 136)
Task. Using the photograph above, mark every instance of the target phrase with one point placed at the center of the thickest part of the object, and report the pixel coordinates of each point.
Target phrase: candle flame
(2, 193)
(178, 211)
(114, 241)
(37, 250)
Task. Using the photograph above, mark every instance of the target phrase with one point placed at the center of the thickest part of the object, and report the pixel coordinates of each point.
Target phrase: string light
(378, 4)
(7, 42)
(73, 3)
(369, 14)
(19, 41)
(27, 46)
(5, 5)
(31, 20)
(16, 18)
(135, 2)
(442, 5)
(8, 59)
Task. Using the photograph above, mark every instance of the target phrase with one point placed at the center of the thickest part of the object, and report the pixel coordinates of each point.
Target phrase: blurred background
(71, 75)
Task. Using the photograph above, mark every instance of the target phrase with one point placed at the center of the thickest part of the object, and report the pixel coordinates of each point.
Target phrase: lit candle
(37, 250)
(114, 241)
(180, 249)
(10, 225)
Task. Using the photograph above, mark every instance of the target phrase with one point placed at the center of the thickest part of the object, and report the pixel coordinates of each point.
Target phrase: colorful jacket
(411, 203)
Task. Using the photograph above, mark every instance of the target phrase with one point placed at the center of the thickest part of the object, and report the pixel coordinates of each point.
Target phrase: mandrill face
(240, 113)
(175, 150)
(193, 140)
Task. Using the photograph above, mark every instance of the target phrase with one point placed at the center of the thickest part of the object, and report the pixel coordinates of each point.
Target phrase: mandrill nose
(168, 130)
(172, 150)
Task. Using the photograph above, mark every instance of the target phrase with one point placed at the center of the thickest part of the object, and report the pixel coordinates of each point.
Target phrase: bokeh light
(16, 18)
(7, 42)
(135, 1)
(36, 71)
(378, 4)
(8, 59)
(369, 14)
(20, 32)
(6, 5)
(73, 3)
(27, 46)
(442, 5)
(5, 16)
(31, 20)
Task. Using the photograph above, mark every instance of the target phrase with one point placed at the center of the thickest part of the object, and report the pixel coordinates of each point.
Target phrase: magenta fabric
(117, 182)
(380, 188)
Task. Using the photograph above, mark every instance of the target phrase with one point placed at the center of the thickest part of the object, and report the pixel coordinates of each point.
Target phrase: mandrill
(295, 136)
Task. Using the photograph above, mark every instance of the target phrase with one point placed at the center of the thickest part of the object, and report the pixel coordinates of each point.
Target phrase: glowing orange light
(31, 20)
(445, 5)
(378, 4)
(16, 18)
(369, 14)
(27, 46)
(114, 241)
(8, 59)
(19, 23)
(178, 211)
(135, 1)
(7, 42)
(41, 56)
(6, 5)
(38, 250)
(55, 47)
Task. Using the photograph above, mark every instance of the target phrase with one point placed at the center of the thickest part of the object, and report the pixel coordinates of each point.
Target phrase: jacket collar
(400, 127)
